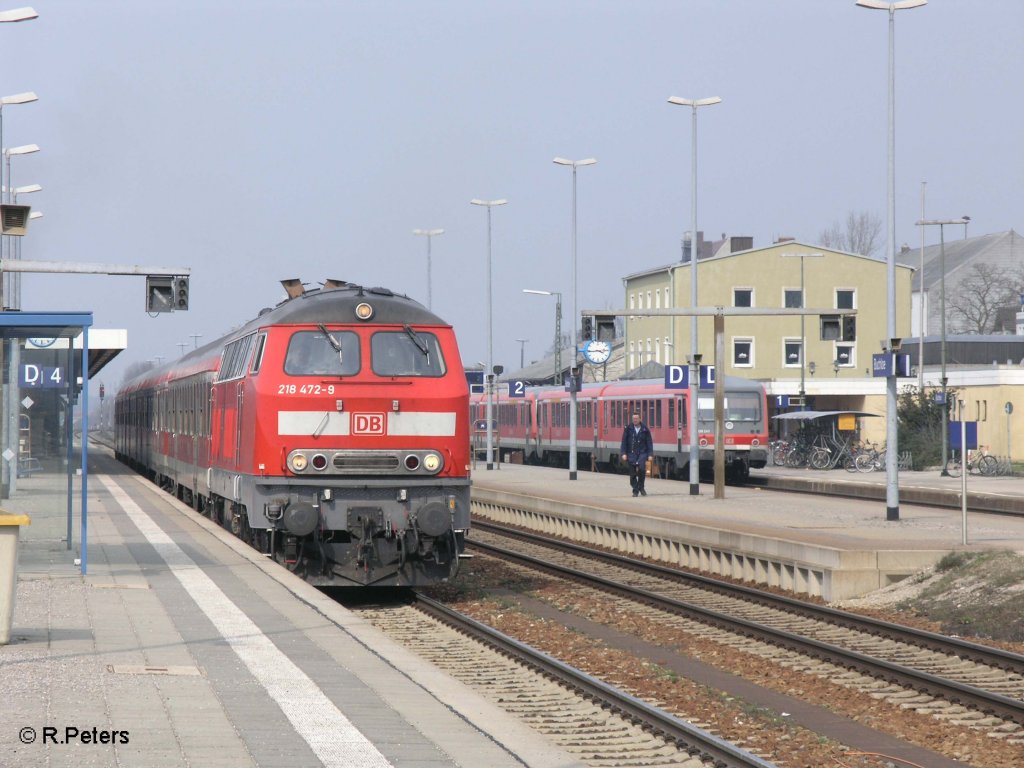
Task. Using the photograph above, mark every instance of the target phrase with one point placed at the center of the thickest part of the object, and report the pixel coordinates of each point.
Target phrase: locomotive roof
(338, 305)
(328, 305)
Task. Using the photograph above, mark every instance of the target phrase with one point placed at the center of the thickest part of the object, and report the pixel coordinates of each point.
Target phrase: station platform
(834, 547)
(182, 647)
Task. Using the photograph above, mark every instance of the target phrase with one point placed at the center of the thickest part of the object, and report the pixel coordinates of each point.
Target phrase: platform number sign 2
(517, 388)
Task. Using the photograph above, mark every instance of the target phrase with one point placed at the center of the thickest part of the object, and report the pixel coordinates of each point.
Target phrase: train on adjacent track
(535, 421)
(331, 433)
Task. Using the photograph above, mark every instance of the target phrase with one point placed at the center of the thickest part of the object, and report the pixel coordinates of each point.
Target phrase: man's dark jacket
(638, 446)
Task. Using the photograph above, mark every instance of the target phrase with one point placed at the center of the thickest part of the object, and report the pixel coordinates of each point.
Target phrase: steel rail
(976, 652)
(994, 704)
(685, 735)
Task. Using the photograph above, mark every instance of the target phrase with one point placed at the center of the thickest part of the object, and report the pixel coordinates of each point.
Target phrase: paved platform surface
(183, 647)
(849, 523)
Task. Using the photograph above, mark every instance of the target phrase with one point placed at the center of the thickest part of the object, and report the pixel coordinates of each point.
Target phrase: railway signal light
(181, 293)
(588, 328)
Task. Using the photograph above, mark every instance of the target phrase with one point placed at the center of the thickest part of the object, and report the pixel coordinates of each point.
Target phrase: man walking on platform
(637, 447)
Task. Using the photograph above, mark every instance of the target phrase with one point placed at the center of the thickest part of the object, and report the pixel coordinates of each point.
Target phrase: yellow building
(771, 347)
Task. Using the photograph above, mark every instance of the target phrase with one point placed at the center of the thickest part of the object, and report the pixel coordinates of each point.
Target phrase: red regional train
(331, 433)
(538, 424)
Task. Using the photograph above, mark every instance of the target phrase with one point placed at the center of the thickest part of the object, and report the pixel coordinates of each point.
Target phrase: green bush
(920, 425)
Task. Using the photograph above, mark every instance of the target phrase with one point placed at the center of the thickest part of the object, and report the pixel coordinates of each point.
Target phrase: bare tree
(860, 234)
(973, 303)
(135, 369)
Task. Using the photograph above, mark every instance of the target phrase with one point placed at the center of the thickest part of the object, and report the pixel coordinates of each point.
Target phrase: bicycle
(978, 463)
(870, 459)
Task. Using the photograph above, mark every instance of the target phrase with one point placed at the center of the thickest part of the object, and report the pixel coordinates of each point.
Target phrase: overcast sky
(255, 141)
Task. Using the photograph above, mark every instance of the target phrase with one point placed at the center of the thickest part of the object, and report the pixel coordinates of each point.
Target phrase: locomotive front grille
(366, 462)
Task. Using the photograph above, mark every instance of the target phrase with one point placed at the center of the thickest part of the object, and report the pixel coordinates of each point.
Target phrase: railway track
(599, 724)
(965, 683)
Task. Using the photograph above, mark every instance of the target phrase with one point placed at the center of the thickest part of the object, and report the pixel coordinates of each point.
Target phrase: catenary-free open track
(951, 678)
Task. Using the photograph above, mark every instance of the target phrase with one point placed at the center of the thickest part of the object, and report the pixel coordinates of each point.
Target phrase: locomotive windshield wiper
(420, 344)
(333, 341)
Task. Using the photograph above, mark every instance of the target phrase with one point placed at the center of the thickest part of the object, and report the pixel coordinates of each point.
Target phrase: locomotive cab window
(320, 353)
(406, 353)
(738, 406)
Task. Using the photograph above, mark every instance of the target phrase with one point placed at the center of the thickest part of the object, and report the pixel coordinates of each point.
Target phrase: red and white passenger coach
(538, 424)
(331, 433)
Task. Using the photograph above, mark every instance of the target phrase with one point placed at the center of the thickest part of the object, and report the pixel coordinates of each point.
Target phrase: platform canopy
(809, 415)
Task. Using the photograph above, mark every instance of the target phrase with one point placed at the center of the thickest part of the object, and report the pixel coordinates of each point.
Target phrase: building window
(632, 301)
(657, 299)
(743, 353)
(792, 298)
(846, 298)
(743, 297)
(838, 328)
(845, 356)
(649, 304)
(657, 350)
(792, 353)
(632, 359)
(668, 350)
(667, 302)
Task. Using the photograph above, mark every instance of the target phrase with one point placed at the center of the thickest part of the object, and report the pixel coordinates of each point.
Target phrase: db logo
(367, 423)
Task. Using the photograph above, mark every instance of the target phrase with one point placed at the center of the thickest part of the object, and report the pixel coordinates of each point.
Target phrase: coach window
(315, 353)
(406, 353)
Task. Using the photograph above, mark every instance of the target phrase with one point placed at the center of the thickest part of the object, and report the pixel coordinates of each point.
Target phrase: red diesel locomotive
(538, 424)
(331, 433)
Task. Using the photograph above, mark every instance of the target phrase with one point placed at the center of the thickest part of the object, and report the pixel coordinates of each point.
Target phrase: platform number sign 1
(517, 388)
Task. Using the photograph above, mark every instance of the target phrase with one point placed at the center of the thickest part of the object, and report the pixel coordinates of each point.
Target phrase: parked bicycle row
(822, 448)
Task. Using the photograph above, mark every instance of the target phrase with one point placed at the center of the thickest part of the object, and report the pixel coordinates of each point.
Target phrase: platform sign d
(677, 377)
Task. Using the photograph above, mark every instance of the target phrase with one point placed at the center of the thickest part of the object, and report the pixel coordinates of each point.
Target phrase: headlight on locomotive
(432, 462)
(297, 462)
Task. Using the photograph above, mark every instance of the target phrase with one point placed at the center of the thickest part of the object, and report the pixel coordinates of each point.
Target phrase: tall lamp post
(803, 334)
(942, 326)
(522, 352)
(892, 491)
(558, 328)
(694, 448)
(489, 373)
(429, 234)
(19, 98)
(574, 164)
(25, 149)
(16, 278)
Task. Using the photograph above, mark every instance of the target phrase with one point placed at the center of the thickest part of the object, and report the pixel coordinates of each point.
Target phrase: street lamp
(558, 328)
(694, 448)
(429, 233)
(25, 149)
(942, 326)
(16, 277)
(803, 334)
(892, 491)
(574, 164)
(18, 98)
(18, 14)
(489, 373)
(522, 352)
